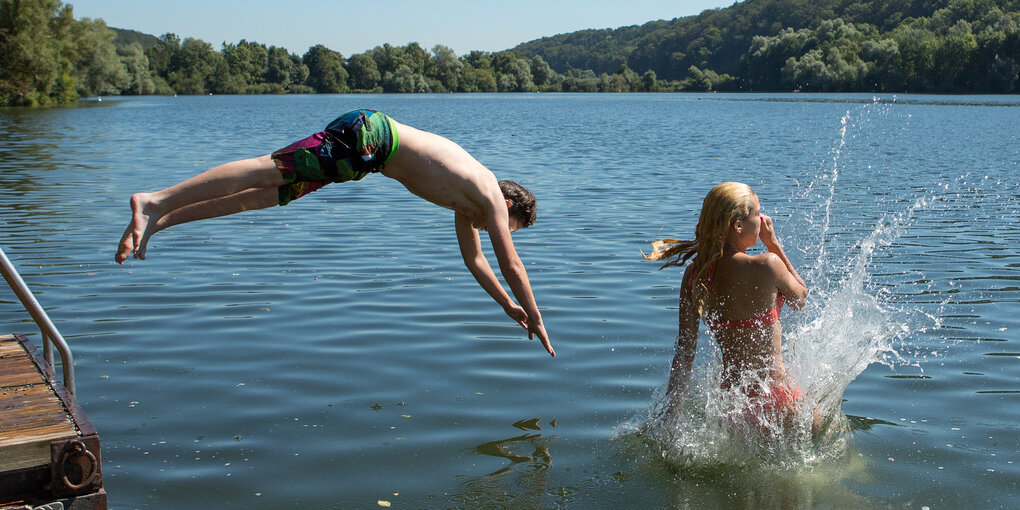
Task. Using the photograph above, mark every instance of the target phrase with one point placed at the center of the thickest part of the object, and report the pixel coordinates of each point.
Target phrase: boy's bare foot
(143, 225)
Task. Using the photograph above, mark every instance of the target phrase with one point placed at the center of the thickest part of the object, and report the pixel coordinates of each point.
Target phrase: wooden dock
(49, 451)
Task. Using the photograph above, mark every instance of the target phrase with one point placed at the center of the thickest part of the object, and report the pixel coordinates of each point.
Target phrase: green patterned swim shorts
(357, 143)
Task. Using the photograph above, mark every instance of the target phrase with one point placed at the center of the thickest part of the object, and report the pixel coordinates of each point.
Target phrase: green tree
(246, 62)
(704, 80)
(697, 80)
(996, 59)
(159, 56)
(285, 69)
(917, 56)
(576, 80)
(613, 83)
(416, 58)
(363, 71)
(520, 69)
(479, 59)
(468, 81)
(191, 67)
(96, 66)
(650, 81)
(387, 58)
(632, 80)
(503, 62)
(486, 80)
(221, 81)
(954, 58)
(445, 67)
(506, 83)
(326, 73)
(540, 71)
(404, 80)
(763, 63)
(885, 58)
(136, 66)
(33, 69)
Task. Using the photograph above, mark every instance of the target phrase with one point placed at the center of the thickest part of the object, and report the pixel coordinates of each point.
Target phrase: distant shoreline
(752, 46)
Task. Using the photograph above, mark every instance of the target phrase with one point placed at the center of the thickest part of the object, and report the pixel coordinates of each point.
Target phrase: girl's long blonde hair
(724, 204)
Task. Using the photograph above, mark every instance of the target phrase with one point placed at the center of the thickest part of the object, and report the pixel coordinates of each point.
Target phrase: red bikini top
(765, 319)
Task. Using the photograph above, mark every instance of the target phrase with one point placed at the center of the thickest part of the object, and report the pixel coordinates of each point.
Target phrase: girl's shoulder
(769, 261)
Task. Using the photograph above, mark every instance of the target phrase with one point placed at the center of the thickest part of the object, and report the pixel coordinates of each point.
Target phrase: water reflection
(822, 485)
(29, 147)
(863, 423)
(539, 458)
(739, 488)
(523, 483)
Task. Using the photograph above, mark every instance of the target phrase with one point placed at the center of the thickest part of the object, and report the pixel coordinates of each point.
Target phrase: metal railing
(49, 332)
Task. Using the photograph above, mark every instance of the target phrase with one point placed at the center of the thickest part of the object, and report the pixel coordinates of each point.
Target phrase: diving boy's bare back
(428, 165)
(442, 172)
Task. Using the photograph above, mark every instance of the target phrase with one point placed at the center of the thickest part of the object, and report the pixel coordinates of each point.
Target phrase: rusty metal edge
(87, 432)
(78, 415)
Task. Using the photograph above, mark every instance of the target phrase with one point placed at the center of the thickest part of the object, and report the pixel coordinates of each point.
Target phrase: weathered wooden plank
(33, 451)
(31, 414)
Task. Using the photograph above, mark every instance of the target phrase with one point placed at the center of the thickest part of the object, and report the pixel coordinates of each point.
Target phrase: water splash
(832, 180)
(850, 323)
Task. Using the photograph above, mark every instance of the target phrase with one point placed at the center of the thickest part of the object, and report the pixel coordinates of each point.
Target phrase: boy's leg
(215, 192)
(247, 200)
(223, 180)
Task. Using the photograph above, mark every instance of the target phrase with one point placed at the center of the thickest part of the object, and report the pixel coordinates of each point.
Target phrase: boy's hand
(517, 313)
(539, 329)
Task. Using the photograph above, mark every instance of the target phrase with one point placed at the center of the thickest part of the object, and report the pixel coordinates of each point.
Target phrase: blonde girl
(738, 296)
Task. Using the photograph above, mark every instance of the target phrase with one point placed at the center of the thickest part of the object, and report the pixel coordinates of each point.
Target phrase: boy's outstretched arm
(474, 259)
(512, 268)
(526, 314)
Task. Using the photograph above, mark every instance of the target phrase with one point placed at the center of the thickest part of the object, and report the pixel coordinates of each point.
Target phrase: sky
(354, 27)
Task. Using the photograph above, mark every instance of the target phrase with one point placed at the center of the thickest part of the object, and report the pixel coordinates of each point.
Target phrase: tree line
(48, 57)
(924, 46)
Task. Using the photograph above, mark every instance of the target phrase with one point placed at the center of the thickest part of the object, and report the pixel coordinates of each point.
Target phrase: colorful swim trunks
(357, 143)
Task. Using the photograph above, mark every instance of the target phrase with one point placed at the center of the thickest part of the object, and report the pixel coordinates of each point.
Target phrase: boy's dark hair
(523, 207)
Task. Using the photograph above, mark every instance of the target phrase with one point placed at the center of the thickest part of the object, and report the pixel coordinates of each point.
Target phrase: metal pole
(47, 349)
(46, 327)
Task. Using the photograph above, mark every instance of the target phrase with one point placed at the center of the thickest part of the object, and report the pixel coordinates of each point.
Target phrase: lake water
(335, 353)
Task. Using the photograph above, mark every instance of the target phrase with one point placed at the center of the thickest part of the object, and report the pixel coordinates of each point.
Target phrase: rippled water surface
(335, 353)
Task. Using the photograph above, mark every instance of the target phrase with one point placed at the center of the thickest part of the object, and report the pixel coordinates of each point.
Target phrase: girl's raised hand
(767, 234)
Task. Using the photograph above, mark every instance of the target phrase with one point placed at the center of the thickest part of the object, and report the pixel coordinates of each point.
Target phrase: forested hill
(47, 56)
(919, 45)
(125, 37)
